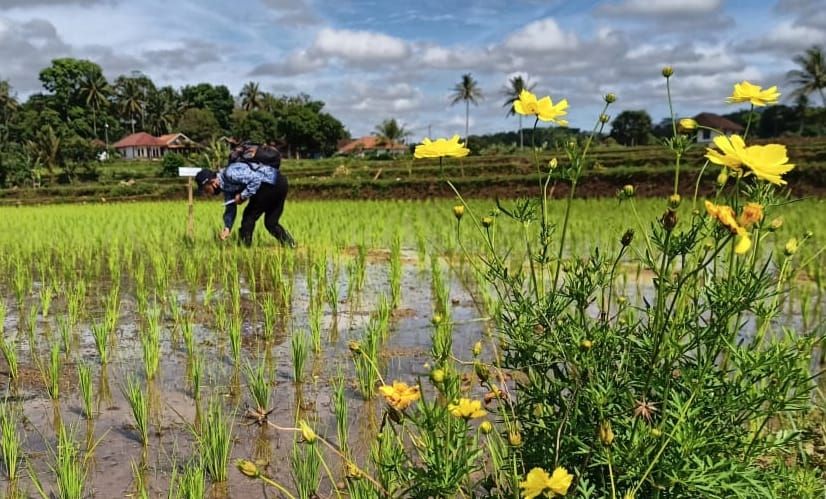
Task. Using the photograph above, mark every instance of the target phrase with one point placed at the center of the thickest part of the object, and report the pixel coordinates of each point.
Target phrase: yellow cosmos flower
(441, 148)
(399, 396)
(743, 243)
(544, 108)
(687, 124)
(725, 215)
(752, 214)
(538, 482)
(766, 162)
(467, 409)
(748, 92)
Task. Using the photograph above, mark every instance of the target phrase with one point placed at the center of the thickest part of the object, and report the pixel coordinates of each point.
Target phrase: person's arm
(230, 210)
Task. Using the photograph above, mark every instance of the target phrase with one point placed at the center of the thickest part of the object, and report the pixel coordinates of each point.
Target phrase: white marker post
(189, 173)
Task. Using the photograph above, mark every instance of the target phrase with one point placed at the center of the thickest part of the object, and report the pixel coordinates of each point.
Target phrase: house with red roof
(371, 145)
(142, 145)
(717, 122)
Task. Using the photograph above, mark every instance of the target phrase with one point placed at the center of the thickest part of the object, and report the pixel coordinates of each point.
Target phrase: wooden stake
(190, 226)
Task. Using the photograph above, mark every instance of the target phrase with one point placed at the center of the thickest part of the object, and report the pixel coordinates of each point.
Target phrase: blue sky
(370, 60)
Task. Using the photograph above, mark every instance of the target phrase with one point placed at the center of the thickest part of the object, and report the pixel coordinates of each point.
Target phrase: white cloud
(299, 62)
(659, 8)
(787, 37)
(540, 36)
(362, 47)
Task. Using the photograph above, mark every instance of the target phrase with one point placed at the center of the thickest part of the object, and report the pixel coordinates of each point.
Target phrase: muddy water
(173, 407)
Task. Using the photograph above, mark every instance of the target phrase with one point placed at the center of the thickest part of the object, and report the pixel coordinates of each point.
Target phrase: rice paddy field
(139, 362)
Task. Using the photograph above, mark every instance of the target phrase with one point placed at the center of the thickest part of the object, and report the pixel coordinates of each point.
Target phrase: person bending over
(264, 186)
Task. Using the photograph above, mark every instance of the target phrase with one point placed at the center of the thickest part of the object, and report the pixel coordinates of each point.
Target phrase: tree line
(79, 113)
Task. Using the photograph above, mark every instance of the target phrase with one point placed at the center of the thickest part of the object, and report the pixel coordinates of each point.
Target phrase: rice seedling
(8, 347)
(395, 271)
(139, 403)
(151, 348)
(332, 292)
(51, 373)
(11, 449)
(269, 307)
(84, 378)
(306, 468)
(196, 366)
(70, 468)
(46, 295)
(235, 338)
(340, 411)
(64, 329)
(215, 441)
(187, 331)
(189, 483)
(141, 492)
(314, 317)
(258, 383)
(75, 301)
(365, 357)
(100, 333)
(299, 350)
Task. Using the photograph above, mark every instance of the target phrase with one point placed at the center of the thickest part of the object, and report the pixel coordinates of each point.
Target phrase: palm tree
(8, 104)
(96, 90)
(130, 98)
(515, 87)
(251, 97)
(811, 77)
(390, 131)
(46, 148)
(468, 91)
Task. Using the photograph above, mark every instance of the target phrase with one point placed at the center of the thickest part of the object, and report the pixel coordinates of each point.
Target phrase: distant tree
(467, 91)
(46, 148)
(778, 120)
(631, 128)
(199, 125)
(255, 126)
(8, 109)
(811, 75)
(170, 163)
(64, 78)
(95, 90)
(251, 97)
(130, 98)
(216, 98)
(163, 110)
(663, 129)
(390, 131)
(511, 92)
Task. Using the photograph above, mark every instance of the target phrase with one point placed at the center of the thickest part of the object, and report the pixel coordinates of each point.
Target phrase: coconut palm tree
(390, 131)
(96, 91)
(466, 90)
(811, 77)
(130, 98)
(251, 97)
(512, 90)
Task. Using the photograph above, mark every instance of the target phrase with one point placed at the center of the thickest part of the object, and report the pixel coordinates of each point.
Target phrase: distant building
(142, 145)
(371, 145)
(717, 122)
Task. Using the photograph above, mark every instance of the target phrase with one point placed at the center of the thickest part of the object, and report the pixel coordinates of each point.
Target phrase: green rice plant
(84, 379)
(51, 373)
(306, 469)
(139, 403)
(70, 468)
(209, 288)
(332, 292)
(151, 348)
(314, 317)
(299, 350)
(75, 301)
(100, 333)
(221, 317)
(31, 332)
(64, 329)
(442, 339)
(421, 247)
(22, 282)
(258, 383)
(340, 411)
(46, 295)
(395, 271)
(215, 440)
(8, 347)
(365, 357)
(196, 367)
(235, 338)
(187, 331)
(285, 284)
(112, 313)
(189, 483)
(11, 449)
(141, 492)
(269, 307)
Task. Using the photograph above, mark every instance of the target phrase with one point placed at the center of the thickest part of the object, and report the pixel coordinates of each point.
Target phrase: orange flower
(399, 396)
(752, 214)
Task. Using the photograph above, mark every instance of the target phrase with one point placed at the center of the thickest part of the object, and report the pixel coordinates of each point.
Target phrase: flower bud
(552, 164)
(353, 472)
(791, 247)
(776, 224)
(669, 220)
(656, 432)
(610, 97)
(487, 222)
(437, 319)
(674, 201)
(481, 371)
(306, 432)
(437, 375)
(667, 71)
(458, 211)
(247, 468)
(477, 348)
(687, 124)
(486, 427)
(354, 346)
(604, 118)
(606, 433)
(627, 237)
(628, 190)
(586, 344)
(515, 438)
(722, 178)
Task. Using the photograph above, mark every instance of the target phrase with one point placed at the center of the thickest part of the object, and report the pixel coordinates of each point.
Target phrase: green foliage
(216, 99)
(199, 125)
(170, 163)
(631, 128)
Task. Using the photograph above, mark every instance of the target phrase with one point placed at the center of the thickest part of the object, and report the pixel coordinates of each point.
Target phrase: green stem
(748, 123)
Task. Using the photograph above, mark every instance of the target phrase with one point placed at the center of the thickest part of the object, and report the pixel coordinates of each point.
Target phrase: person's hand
(224, 234)
(239, 200)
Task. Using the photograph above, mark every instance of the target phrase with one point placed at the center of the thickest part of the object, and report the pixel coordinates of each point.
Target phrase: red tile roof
(369, 143)
(140, 139)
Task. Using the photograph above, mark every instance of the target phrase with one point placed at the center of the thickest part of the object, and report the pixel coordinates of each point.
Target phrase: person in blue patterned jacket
(264, 186)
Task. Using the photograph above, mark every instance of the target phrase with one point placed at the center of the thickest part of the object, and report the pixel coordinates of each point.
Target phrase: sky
(371, 60)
